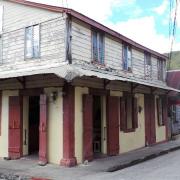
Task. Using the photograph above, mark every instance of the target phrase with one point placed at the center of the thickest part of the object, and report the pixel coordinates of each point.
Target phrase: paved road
(165, 167)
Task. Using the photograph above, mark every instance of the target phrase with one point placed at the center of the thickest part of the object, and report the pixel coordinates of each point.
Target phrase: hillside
(175, 62)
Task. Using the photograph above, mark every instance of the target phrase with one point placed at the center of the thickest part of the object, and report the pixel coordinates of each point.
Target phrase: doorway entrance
(97, 123)
(34, 119)
(150, 128)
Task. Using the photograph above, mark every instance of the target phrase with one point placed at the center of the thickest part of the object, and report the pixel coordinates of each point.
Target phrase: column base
(69, 162)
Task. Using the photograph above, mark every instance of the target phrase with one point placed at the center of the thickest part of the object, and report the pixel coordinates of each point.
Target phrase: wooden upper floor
(36, 36)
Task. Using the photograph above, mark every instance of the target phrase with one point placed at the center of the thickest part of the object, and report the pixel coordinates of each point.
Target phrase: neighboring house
(173, 80)
(73, 89)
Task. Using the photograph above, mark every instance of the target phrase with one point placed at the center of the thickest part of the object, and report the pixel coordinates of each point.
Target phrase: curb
(143, 159)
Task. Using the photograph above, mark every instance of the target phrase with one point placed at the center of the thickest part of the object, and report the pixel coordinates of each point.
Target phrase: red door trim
(43, 130)
(113, 108)
(15, 127)
(150, 124)
(87, 127)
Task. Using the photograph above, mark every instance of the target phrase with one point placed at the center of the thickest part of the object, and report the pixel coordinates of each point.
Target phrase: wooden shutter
(87, 127)
(135, 113)
(158, 111)
(15, 127)
(123, 116)
(124, 57)
(43, 129)
(0, 110)
(164, 110)
(113, 125)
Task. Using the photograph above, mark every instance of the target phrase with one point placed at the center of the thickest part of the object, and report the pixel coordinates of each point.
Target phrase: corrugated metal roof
(69, 72)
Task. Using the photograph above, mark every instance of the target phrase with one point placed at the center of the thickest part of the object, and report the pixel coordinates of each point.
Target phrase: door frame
(13, 153)
(150, 122)
(34, 92)
(103, 93)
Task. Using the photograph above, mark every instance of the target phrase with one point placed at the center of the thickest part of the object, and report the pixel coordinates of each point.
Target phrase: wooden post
(68, 127)
(43, 130)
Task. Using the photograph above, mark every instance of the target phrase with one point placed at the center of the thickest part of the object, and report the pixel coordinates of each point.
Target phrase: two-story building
(73, 89)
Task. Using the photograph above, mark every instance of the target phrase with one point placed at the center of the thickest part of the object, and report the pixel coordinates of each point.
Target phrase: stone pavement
(25, 168)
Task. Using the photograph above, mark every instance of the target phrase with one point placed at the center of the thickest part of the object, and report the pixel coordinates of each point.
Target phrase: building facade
(73, 89)
(174, 102)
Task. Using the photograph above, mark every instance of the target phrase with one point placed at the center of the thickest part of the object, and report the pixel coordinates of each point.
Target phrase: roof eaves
(90, 22)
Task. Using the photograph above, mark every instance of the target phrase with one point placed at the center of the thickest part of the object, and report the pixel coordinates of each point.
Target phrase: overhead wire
(172, 29)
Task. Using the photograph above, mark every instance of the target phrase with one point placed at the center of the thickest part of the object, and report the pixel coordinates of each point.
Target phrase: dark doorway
(97, 116)
(34, 124)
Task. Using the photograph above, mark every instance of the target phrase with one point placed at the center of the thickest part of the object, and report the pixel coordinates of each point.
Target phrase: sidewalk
(26, 168)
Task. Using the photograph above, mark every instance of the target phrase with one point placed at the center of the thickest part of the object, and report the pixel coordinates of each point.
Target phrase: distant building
(173, 80)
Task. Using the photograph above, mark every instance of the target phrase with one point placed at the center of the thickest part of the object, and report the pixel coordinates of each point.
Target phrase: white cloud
(143, 31)
(99, 10)
(162, 8)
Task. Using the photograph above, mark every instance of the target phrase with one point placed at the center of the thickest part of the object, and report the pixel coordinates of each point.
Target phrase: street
(165, 167)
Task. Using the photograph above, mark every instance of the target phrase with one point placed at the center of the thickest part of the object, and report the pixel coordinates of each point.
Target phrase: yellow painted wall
(160, 130)
(25, 124)
(55, 126)
(134, 140)
(79, 123)
(5, 122)
(103, 126)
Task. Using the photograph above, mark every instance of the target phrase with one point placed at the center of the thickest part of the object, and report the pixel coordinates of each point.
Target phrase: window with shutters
(161, 69)
(98, 47)
(32, 42)
(129, 113)
(127, 58)
(147, 65)
(160, 110)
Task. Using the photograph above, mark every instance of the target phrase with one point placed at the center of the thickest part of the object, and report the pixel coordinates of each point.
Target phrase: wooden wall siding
(113, 53)
(154, 68)
(52, 47)
(81, 53)
(17, 16)
(138, 63)
(81, 41)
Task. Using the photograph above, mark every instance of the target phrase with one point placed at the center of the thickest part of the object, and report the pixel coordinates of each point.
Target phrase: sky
(144, 21)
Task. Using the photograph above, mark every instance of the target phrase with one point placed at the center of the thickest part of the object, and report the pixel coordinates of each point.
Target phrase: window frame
(125, 58)
(134, 112)
(147, 66)
(32, 40)
(161, 66)
(100, 60)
